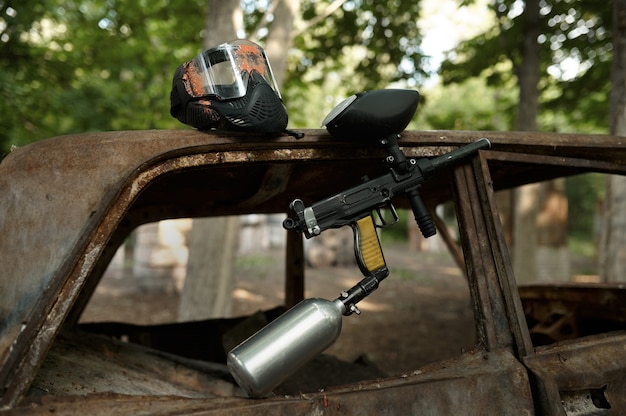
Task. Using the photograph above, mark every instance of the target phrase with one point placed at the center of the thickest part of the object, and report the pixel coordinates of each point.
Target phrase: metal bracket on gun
(311, 222)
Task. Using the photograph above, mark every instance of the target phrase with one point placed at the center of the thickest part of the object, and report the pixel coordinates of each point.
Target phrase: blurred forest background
(98, 65)
(94, 65)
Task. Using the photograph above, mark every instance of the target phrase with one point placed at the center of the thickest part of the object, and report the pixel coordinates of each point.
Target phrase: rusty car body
(67, 203)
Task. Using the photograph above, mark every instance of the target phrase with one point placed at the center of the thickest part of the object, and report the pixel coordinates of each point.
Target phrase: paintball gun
(356, 205)
(264, 360)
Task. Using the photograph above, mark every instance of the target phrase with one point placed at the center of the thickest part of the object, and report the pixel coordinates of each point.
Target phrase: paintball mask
(229, 87)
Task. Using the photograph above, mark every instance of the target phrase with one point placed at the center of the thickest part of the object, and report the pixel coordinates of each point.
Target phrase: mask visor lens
(224, 71)
(250, 57)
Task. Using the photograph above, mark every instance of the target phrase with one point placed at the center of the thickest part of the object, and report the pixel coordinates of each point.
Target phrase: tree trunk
(212, 242)
(280, 37)
(526, 197)
(277, 45)
(528, 70)
(612, 256)
(224, 21)
(207, 292)
(525, 232)
(553, 263)
(540, 223)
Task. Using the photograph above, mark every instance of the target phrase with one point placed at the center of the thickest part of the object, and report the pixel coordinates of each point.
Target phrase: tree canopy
(91, 65)
(96, 65)
(107, 65)
(575, 40)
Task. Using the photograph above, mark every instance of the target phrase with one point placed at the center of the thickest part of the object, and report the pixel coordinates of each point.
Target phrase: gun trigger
(379, 221)
(382, 222)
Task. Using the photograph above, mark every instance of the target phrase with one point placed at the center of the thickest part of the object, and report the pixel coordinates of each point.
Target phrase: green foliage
(307, 105)
(583, 246)
(97, 65)
(398, 231)
(581, 33)
(367, 44)
(477, 57)
(94, 65)
(468, 105)
(70, 67)
(575, 41)
(584, 193)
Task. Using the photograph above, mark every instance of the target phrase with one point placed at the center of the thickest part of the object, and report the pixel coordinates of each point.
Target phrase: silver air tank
(267, 358)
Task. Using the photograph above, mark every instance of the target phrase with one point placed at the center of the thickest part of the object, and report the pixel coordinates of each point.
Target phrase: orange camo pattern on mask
(207, 110)
(192, 79)
(250, 58)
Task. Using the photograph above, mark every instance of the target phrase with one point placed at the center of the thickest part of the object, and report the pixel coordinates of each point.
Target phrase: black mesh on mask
(260, 110)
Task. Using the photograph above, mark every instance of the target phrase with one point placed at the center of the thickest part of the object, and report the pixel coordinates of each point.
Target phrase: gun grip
(369, 253)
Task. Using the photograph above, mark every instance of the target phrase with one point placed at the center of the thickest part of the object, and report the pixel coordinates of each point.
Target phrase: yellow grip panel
(369, 246)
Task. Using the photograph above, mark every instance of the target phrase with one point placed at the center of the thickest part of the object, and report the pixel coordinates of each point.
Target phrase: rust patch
(125, 169)
(282, 153)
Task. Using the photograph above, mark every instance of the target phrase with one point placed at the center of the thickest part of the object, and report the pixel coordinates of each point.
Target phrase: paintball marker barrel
(456, 156)
(430, 167)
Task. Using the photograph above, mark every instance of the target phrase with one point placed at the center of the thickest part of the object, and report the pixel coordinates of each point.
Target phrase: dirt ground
(420, 313)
